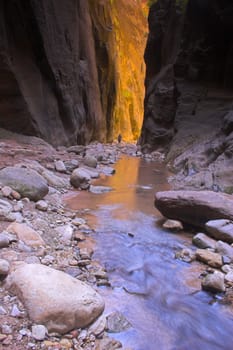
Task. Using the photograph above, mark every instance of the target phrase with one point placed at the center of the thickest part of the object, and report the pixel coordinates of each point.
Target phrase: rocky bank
(49, 282)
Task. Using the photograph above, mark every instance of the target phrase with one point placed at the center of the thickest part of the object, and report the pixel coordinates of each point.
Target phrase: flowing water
(159, 295)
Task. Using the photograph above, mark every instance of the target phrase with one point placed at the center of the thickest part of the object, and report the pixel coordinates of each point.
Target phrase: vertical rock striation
(71, 70)
(189, 90)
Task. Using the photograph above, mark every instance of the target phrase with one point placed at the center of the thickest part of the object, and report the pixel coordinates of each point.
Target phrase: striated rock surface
(53, 298)
(66, 69)
(189, 91)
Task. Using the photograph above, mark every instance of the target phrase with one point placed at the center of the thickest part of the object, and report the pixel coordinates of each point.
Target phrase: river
(160, 296)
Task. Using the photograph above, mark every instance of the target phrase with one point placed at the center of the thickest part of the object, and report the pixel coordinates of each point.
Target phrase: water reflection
(149, 287)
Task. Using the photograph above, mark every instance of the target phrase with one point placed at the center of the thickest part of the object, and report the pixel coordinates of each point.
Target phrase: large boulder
(194, 207)
(53, 298)
(25, 181)
(80, 178)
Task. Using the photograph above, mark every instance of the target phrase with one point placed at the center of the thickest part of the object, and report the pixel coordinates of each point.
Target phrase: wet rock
(116, 323)
(53, 298)
(194, 207)
(42, 205)
(25, 181)
(225, 249)
(60, 166)
(210, 258)
(26, 234)
(80, 179)
(54, 180)
(173, 225)
(214, 282)
(90, 161)
(99, 189)
(98, 326)
(39, 332)
(220, 229)
(4, 267)
(201, 240)
(186, 255)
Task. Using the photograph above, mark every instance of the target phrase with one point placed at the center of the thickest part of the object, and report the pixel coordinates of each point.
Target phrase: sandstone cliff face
(189, 90)
(120, 30)
(49, 83)
(61, 69)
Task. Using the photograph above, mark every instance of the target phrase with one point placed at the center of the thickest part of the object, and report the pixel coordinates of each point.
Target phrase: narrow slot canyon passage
(116, 173)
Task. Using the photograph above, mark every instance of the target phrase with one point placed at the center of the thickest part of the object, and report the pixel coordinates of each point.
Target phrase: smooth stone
(53, 298)
(201, 240)
(39, 332)
(71, 165)
(76, 149)
(173, 225)
(42, 205)
(60, 166)
(107, 170)
(186, 255)
(220, 229)
(93, 173)
(26, 234)
(225, 249)
(90, 161)
(80, 179)
(214, 282)
(194, 207)
(210, 258)
(28, 183)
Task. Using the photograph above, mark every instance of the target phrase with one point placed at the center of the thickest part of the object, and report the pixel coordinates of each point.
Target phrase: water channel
(159, 295)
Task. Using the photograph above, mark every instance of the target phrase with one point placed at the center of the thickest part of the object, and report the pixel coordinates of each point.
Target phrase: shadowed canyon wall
(71, 70)
(189, 90)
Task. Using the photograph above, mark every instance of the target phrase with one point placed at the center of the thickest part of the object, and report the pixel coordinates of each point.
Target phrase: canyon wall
(66, 71)
(189, 90)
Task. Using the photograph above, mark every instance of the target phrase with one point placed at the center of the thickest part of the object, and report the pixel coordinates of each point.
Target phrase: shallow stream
(160, 296)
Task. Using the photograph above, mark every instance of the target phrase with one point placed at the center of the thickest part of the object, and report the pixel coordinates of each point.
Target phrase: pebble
(2, 310)
(60, 166)
(173, 225)
(42, 205)
(39, 332)
(78, 221)
(15, 312)
(116, 322)
(6, 329)
(6, 191)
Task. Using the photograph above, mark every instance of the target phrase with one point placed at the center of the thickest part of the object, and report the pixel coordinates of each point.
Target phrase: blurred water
(160, 296)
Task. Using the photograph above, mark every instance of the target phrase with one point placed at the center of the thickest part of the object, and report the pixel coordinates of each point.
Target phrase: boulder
(53, 298)
(27, 182)
(90, 161)
(201, 240)
(80, 179)
(210, 258)
(194, 207)
(214, 282)
(54, 180)
(220, 229)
